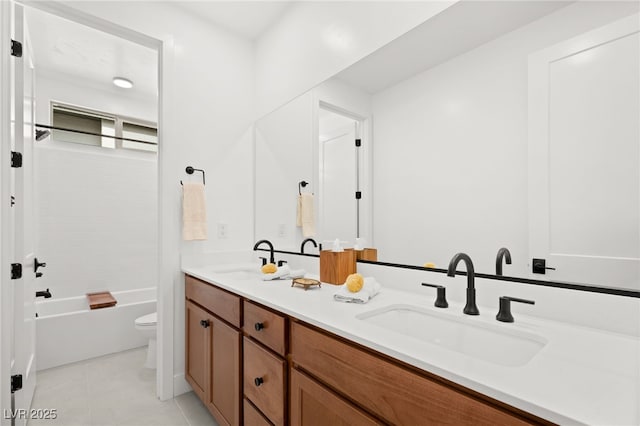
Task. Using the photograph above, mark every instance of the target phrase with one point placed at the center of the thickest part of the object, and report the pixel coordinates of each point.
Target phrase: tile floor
(113, 390)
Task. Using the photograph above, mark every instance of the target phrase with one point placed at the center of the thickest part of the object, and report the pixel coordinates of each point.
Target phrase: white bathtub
(68, 331)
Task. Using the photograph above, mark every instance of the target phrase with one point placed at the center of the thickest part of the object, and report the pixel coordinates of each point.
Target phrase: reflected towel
(304, 216)
(194, 213)
(370, 288)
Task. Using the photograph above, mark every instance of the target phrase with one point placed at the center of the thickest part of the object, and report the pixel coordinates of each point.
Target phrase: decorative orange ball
(354, 283)
(269, 268)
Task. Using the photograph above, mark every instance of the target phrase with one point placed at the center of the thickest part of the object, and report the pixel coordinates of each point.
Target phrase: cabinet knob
(258, 381)
(204, 323)
(259, 326)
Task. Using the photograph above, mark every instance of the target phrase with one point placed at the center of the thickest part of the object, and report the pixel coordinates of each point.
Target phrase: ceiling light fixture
(122, 82)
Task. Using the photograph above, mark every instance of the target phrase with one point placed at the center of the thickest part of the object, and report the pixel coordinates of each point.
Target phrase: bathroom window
(94, 128)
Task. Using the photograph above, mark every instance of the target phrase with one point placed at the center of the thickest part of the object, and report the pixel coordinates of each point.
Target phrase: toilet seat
(150, 320)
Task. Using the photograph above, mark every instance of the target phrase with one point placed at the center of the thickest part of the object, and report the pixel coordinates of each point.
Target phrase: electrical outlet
(222, 230)
(282, 230)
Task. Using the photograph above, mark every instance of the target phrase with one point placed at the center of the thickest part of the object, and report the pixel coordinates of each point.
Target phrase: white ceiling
(92, 57)
(248, 19)
(87, 55)
(457, 30)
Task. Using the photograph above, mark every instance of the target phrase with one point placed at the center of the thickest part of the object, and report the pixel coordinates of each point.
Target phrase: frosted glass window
(139, 132)
(99, 126)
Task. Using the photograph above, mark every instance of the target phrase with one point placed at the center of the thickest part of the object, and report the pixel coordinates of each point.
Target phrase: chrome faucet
(311, 240)
(272, 258)
(502, 253)
(470, 308)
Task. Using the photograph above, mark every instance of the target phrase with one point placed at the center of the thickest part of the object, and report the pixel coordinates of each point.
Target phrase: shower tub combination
(68, 331)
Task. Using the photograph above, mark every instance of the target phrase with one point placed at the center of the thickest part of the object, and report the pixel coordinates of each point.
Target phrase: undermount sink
(240, 275)
(240, 271)
(493, 343)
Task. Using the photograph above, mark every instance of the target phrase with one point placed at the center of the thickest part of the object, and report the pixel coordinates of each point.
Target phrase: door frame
(5, 192)
(365, 160)
(168, 267)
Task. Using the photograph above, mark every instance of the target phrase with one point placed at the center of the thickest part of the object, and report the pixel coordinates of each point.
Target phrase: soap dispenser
(337, 264)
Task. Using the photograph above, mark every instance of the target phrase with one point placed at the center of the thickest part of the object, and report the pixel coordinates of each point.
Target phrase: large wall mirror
(494, 124)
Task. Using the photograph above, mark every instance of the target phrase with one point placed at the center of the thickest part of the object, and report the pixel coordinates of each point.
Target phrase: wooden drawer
(220, 302)
(265, 326)
(264, 381)
(253, 417)
(314, 405)
(387, 389)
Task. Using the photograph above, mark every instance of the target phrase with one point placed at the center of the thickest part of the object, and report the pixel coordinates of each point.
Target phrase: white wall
(284, 155)
(450, 150)
(316, 40)
(97, 209)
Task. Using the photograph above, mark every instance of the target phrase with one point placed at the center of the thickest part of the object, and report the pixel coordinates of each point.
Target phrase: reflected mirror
(494, 124)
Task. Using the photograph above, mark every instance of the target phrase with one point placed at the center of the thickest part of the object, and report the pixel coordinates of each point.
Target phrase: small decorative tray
(305, 282)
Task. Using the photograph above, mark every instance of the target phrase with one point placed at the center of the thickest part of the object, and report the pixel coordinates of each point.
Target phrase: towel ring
(303, 184)
(190, 171)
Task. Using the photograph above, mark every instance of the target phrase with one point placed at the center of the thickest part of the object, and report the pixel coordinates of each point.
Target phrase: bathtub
(68, 331)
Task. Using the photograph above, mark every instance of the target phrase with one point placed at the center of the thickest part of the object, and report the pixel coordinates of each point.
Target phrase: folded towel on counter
(194, 213)
(305, 216)
(284, 272)
(370, 288)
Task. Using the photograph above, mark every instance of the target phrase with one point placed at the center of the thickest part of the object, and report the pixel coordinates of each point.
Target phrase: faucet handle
(441, 298)
(264, 260)
(281, 262)
(504, 314)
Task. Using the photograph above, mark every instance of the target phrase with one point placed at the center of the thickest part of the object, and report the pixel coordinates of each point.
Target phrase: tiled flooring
(113, 390)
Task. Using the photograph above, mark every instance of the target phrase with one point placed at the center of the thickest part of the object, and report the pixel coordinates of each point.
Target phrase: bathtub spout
(46, 294)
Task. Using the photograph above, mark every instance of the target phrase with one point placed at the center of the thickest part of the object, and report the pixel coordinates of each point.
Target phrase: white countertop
(581, 375)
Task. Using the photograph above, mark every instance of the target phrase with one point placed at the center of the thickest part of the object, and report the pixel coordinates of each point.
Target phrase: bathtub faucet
(46, 294)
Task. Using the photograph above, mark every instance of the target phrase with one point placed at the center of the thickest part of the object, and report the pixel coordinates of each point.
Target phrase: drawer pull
(258, 381)
(259, 326)
(204, 323)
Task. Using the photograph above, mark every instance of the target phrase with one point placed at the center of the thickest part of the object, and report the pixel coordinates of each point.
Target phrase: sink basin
(240, 275)
(493, 343)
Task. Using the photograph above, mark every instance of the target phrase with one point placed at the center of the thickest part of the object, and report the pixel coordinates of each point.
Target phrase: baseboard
(180, 385)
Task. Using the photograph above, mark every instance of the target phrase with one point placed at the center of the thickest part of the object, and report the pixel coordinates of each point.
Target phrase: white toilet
(147, 324)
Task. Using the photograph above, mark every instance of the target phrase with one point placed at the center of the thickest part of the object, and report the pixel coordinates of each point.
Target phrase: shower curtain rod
(45, 126)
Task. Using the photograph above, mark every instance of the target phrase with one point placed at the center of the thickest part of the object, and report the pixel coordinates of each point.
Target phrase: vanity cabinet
(213, 349)
(253, 365)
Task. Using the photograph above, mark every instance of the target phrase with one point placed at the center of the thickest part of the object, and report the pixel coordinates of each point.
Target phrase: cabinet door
(225, 396)
(314, 405)
(198, 348)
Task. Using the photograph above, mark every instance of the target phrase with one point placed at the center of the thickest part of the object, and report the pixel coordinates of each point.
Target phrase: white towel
(369, 289)
(194, 213)
(305, 216)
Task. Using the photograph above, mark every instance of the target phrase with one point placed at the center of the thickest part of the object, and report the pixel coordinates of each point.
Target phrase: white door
(20, 301)
(338, 185)
(584, 156)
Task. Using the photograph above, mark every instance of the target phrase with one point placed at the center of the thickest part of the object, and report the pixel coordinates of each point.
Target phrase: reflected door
(338, 180)
(584, 156)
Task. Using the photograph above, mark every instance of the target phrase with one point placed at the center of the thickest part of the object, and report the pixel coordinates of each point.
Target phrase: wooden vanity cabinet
(213, 350)
(255, 366)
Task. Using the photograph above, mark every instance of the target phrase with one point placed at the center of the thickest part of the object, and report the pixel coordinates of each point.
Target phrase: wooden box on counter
(335, 267)
(367, 254)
